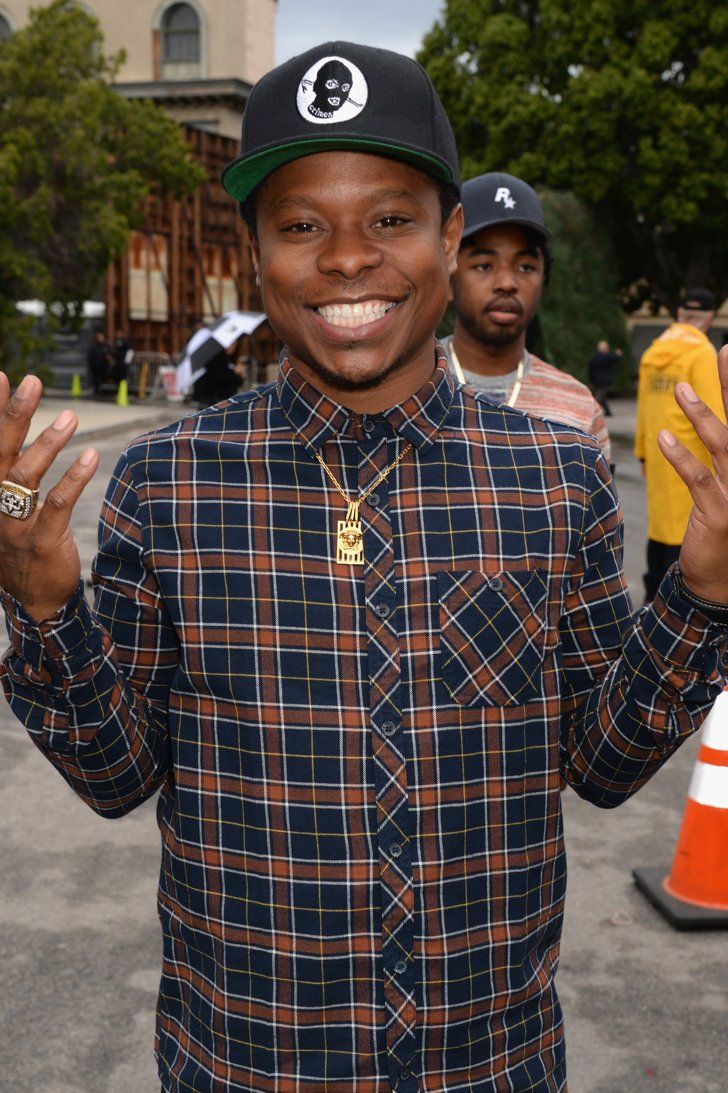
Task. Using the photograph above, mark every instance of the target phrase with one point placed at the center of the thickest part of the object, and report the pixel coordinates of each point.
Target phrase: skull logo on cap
(332, 91)
(331, 87)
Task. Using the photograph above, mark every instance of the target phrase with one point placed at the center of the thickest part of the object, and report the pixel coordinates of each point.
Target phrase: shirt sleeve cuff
(716, 612)
(690, 644)
(55, 643)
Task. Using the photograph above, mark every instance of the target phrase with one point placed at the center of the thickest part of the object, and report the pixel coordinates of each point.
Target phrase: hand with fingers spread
(39, 562)
(704, 550)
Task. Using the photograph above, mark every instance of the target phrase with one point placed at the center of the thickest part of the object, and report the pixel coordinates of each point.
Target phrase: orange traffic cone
(695, 893)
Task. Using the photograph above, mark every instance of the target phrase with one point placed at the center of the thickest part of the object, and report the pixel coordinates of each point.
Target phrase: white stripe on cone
(709, 785)
(715, 729)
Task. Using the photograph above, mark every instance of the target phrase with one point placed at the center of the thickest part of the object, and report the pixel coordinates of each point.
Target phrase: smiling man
(503, 264)
(356, 625)
(357, 308)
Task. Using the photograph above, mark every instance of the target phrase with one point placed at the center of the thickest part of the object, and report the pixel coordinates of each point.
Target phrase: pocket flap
(492, 635)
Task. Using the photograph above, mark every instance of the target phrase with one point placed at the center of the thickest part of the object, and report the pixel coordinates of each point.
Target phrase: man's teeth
(355, 314)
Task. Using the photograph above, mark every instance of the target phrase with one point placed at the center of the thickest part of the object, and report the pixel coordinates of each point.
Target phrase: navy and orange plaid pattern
(363, 866)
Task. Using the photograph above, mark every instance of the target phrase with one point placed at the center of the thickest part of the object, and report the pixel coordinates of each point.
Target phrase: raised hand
(39, 562)
(704, 550)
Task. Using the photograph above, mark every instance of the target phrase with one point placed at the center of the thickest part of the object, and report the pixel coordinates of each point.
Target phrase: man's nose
(349, 252)
(505, 279)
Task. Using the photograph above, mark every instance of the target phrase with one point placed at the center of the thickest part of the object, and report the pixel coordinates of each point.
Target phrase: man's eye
(391, 221)
(301, 227)
(331, 84)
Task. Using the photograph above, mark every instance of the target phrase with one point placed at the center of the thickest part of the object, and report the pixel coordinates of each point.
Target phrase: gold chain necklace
(349, 534)
(458, 369)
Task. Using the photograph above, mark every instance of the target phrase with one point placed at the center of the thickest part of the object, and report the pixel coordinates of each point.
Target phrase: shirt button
(395, 850)
(400, 967)
(373, 500)
(389, 728)
(404, 1075)
(496, 584)
(382, 610)
(368, 426)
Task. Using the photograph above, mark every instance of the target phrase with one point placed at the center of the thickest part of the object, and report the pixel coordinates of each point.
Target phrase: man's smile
(355, 260)
(355, 315)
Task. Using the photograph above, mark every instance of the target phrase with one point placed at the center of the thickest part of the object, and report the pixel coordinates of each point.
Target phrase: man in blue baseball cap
(503, 265)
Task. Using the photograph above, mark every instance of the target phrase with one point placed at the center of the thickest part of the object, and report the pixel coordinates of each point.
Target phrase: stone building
(197, 59)
(188, 261)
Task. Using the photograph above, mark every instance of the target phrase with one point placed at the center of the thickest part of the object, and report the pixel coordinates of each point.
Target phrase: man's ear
(254, 255)
(451, 235)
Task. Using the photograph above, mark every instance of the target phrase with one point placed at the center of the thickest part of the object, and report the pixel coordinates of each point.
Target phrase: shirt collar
(317, 418)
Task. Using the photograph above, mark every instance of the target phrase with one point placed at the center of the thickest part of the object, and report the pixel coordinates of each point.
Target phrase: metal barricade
(144, 377)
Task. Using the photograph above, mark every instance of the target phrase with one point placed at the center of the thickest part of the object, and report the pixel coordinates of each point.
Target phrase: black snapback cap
(698, 299)
(499, 198)
(341, 95)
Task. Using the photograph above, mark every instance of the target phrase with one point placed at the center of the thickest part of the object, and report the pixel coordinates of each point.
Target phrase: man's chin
(353, 380)
(353, 383)
(501, 337)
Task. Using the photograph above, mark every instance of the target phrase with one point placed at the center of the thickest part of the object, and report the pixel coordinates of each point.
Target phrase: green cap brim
(242, 176)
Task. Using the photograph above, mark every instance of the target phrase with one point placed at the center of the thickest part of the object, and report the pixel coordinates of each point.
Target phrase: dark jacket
(601, 368)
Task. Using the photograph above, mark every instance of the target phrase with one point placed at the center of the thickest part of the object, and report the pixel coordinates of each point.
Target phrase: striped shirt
(363, 865)
(549, 393)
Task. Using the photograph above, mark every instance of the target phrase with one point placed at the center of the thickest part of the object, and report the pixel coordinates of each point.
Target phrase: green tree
(622, 102)
(580, 304)
(76, 162)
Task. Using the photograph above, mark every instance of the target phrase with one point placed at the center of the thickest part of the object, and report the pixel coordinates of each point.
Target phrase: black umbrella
(207, 342)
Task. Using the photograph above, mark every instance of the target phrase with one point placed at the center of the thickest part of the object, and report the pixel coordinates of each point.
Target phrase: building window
(5, 29)
(181, 35)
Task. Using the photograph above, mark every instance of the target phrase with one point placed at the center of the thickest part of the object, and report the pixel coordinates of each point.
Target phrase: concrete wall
(237, 35)
(242, 38)
(215, 118)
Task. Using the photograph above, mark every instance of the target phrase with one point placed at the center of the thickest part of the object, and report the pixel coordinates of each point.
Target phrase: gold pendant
(350, 538)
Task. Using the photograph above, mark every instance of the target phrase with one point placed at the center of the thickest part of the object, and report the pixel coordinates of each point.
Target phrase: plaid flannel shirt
(363, 864)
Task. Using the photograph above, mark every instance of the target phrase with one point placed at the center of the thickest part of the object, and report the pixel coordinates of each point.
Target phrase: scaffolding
(187, 264)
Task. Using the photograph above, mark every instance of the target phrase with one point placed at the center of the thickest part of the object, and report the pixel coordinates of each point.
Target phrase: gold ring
(16, 500)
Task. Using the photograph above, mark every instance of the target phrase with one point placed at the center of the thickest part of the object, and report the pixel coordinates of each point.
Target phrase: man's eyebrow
(395, 194)
(292, 201)
(475, 252)
(295, 201)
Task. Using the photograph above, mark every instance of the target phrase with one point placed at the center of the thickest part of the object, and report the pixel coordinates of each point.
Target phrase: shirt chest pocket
(492, 634)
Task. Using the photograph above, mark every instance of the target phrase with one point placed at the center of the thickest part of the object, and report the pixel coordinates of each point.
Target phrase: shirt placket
(393, 819)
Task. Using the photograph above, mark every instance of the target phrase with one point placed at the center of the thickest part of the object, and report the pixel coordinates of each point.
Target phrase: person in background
(682, 354)
(503, 264)
(100, 362)
(243, 369)
(123, 355)
(601, 373)
(220, 380)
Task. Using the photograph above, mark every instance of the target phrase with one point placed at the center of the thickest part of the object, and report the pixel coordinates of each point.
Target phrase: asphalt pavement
(103, 418)
(645, 1007)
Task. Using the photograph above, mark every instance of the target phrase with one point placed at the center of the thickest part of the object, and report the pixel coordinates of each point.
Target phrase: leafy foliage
(76, 162)
(580, 304)
(621, 102)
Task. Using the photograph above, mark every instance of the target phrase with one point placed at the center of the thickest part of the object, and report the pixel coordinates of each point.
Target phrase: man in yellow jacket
(682, 353)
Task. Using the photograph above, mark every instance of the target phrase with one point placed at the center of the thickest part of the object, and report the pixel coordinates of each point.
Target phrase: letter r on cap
(504, 194)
